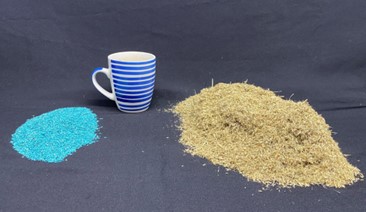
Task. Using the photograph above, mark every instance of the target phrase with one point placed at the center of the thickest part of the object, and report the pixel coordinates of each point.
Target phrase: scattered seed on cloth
(53, 136)
(264, 137)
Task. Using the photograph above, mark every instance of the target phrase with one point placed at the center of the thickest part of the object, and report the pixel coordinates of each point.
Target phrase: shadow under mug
(132, 76)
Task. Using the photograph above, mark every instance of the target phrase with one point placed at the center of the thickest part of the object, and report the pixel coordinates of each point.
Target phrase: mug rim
(132, 57)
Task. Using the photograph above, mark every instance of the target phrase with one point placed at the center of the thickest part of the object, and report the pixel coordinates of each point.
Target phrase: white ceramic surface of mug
(132, 76)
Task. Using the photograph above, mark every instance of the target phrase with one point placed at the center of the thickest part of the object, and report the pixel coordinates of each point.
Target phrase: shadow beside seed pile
(264, 137)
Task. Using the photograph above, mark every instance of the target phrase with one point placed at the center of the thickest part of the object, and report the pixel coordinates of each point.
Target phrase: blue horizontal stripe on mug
(132, 73)
(136, 99)
(133, 107)
(132, 110)
(144, 88)
(136, 83)
(134, 91)
(134, 95)
(118, 88)
(135, 87)
(132, 78)
(132, 63)
(129, 76)
(132, 68)
(133, 100)
(124, 96)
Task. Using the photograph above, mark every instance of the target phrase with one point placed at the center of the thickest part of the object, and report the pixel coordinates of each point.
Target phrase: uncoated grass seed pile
(264, 137)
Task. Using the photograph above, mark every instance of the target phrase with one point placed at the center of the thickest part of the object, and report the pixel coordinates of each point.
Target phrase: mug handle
(107, 72)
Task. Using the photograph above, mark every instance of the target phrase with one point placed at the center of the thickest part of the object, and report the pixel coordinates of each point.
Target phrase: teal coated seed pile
(52, 136)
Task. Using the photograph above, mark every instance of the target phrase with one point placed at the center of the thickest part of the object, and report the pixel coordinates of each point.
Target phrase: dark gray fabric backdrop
(315, 49)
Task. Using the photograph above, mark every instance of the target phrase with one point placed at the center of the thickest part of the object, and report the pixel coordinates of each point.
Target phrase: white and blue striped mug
(132, 76)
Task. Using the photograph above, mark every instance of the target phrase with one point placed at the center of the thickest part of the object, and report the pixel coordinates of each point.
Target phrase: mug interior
(132, 56)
